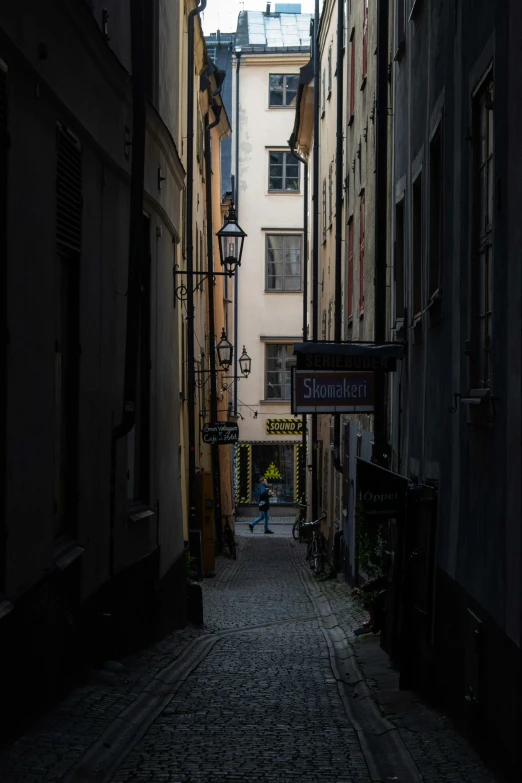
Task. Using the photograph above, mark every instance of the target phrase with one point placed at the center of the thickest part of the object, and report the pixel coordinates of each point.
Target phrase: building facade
(456, 408)
(270, 49)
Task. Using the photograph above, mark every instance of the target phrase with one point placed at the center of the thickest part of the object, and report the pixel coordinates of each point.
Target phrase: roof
(259, 31)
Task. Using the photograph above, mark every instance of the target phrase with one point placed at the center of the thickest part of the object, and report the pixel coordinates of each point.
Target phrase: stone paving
(264, 703)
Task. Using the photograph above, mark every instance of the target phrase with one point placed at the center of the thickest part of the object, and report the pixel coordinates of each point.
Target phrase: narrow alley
(274, 687)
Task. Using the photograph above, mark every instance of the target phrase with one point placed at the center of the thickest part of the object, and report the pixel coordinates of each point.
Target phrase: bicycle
(298, 529)
(227, 537)
(316, 551)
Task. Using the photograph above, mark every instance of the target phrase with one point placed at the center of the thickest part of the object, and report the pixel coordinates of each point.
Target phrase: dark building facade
(456, 405)
(91, 537)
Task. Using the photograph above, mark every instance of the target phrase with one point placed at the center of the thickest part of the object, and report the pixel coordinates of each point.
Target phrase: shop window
(277, 463)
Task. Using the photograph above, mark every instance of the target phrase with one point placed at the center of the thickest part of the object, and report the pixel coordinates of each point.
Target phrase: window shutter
(68, 192)
(352, 78)
(361, 257)
(350, 270)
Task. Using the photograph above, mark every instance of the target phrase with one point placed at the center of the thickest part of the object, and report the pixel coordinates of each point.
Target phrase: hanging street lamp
(245, 363)
(231, 239)
(225, 351)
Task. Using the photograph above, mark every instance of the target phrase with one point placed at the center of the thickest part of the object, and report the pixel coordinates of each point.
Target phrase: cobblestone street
(275, 687)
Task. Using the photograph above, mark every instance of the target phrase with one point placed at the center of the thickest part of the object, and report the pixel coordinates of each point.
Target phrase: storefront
(281, 461)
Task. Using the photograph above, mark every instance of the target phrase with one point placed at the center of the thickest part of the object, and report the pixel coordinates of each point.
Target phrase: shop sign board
(284, 426)
(349, 356)
(222, 432)
(332, 392)
(382, 492)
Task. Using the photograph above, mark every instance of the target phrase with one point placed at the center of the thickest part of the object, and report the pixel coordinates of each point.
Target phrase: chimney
(268, 8)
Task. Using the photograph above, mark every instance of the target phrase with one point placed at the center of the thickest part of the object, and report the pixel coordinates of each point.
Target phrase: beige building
(271, 47)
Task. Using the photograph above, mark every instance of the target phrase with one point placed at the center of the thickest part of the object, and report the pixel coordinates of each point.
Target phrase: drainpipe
(381, 224)
(136, 253)
(216, 473)
(236, 201)
(315, 247)
(191, 378)
(291, 144)
(339, 217)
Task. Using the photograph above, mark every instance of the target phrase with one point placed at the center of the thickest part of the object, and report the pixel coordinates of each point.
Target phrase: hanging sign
(284, 426)
(353, 356)
(222, 432)
(382, 492)
(332, 392)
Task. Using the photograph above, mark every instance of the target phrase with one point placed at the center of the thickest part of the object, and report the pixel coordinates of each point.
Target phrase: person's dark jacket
(264, 498)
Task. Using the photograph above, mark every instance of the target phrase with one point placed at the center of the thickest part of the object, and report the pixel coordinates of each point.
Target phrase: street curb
(384, 751)
(103, 758)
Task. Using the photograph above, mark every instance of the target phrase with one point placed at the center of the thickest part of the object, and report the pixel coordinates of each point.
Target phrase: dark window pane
(276, 158)
(276, 183)
(276, 98)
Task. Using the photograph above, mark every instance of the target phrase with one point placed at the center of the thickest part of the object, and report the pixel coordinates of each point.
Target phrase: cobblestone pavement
(276, 695)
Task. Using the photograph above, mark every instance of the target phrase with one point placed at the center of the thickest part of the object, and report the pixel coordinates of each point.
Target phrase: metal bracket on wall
(475, 397)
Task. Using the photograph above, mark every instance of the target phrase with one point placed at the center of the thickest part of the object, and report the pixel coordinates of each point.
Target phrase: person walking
(264, 505)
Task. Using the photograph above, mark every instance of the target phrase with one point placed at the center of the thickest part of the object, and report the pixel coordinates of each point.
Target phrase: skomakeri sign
(284, 426)
(332, 392)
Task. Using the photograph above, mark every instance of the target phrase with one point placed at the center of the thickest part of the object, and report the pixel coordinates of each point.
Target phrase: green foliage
(370, 542)
(190, 567)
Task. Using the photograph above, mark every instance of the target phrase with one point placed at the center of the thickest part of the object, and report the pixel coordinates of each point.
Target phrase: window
(349, 308)
(329, 70)
(323, 95)
(365, 42)
(416, 249)
(324, 210)
(361, 256)
(482, 270)
(435, 214)
(283, 89)
(352, 75)
(283, 175)
(278, 371)
(330, 194)
(283, 262)
(399, 259)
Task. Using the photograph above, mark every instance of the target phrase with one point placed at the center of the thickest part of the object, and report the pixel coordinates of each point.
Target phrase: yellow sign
(284, 426)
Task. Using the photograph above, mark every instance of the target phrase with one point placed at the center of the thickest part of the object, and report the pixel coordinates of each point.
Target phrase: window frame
(399, 256)
(284, 105)
(324, 210)
(352, 78)
(435, 228)
(417, 244)
(283, 290)
(285, 155)
(287, 371)
(362, 209)
(364, 44)
(350, 272)
(482, 242)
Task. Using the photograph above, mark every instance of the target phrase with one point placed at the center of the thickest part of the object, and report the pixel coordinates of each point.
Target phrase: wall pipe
(315, 246)
(191, 378)
(236, 201)
(381, 228)
(338, 304)
(136, 253)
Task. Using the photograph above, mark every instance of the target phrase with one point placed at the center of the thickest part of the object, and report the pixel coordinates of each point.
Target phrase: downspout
(315, 247)
(235, 196)
(190, 270)
(136, 254)
(216, 473)
(339, 217)
(291, 143)
(381, 224)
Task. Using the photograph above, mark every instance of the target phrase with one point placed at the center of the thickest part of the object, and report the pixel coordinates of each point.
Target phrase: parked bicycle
(316, 552)
(227, 537)
(298, 529)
